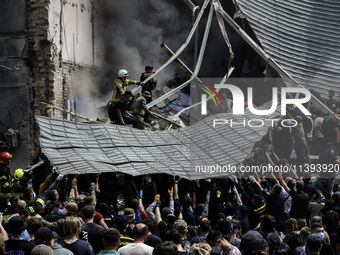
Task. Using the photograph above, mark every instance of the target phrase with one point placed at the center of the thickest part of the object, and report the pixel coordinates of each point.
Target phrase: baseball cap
(253, 241)
(43, 236)
(17, 224)
(181, 226)
(314, 242)
(171, 218)
(42, 249)
(120, 220)
(129, 212)
(104, 206)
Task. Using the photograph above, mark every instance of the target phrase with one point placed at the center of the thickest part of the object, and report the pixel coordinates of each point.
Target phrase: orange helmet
(5, 157)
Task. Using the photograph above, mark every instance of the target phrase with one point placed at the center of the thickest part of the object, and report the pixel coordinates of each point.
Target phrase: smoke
(128, 35)
(132, 32)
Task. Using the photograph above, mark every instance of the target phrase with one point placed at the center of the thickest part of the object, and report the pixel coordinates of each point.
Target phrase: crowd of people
(114, 213)
(44, 211)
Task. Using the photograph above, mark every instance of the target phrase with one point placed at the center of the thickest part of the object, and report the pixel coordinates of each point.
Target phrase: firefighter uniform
(120, 87)
(5, 179)
(140, 111)
(37, 203)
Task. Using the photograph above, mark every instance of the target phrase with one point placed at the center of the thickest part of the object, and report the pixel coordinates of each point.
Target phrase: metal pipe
(178, 61)
(194, 11)
(6, 67)
(189, 4)
(68, 112)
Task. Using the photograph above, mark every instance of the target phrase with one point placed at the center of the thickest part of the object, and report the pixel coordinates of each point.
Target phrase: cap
(17, 224)
(55, 234)
(181, 226)
(314, 242)
(252, 241)
(43, 236)
(103, 206)
(42, 249)
(121, 219)
(224, 226)
(171, 218)
(129, 212)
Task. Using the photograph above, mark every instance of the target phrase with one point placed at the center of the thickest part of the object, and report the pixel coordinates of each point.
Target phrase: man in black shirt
(17, 245)
(325, 182)
(90, 231)
(119, 112)
(300, 202)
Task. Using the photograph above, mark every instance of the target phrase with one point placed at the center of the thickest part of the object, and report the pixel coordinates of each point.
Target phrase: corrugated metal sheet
(94, 148)
(301, 36)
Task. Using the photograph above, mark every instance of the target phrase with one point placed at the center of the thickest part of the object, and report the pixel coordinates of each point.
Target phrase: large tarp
(98, 148)
(301, 36)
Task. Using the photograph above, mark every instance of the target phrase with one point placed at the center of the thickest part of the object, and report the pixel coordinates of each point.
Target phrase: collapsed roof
(98, 148)
(301, 36)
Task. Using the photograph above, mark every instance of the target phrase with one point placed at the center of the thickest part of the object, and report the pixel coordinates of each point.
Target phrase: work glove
(140, 83)
(122, 122)
(171, 191)
(60, 177)
(148, 179)
(177, 178)
(93, 186)
(218, 193)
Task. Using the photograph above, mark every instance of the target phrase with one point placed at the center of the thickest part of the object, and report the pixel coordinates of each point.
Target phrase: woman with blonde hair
(201, 249)
(71, 241)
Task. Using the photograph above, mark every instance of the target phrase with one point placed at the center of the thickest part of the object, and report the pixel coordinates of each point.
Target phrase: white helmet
(122, 73)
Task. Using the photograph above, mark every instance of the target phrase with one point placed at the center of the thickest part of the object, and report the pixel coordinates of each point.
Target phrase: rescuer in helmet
(140, 111)
(119, 111)
(151, 84)
(121, 84)
(5, 175)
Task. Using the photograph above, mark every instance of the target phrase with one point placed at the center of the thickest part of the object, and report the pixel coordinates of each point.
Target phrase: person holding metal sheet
(119, 111)
(140, 111)
(151, 84)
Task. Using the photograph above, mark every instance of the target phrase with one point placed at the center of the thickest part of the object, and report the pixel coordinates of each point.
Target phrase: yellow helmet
(18, 174)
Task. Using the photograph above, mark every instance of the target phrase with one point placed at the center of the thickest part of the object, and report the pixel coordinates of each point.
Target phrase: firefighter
(140, 111)
(119, 111)
(120, 85)
(151, 84)
(5, 175)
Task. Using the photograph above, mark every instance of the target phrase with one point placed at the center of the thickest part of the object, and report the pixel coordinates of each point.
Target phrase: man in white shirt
(137, 247)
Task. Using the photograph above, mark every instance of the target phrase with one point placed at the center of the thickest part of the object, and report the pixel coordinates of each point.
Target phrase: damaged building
(46, 47)
(66, 53)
